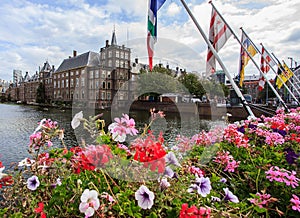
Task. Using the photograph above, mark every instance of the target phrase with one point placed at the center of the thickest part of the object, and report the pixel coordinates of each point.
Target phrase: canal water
(18, 122)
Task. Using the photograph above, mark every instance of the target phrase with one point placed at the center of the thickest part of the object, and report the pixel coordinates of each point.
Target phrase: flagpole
(289, 90)
(291, 93)
(245, 49)
(234, 86)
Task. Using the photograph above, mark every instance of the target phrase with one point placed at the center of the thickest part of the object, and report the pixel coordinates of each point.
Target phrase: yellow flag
(285, 76)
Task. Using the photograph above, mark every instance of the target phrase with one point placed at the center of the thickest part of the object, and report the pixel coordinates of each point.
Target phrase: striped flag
(266, 64)
(244, 57)
(154, 6)
(219, 33)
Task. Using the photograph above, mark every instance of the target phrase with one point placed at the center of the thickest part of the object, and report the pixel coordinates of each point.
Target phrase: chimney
(168, 67)
(177, 69)
(74, 53)
(53, 69)
(136, 60)
(106, 43)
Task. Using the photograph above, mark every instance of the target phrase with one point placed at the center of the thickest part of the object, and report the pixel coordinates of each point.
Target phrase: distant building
(17, 76)
(92, 79)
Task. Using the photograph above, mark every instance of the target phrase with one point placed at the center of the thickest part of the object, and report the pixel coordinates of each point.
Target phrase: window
(58, 84)
(77, 72)
(108, 85)
(108, 74)
(77, 82)
(126, 55)
(102, 95)
(117, 54)
(103, 85)
(91, 84)
(110, 63)
(82, 72)
(109, 54)
(103, 74)
(82, 82)
(122, 54)
(72, 83)
(54, 84)
(67, 83)
(67, 74)
(91, 74)
(82, 94)
(62, 83)
(117, 63)
(96, 74)
(97, 84)
(71, 73)
(108, 96)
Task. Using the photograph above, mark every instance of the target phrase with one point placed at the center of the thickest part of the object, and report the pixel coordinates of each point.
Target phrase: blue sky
(33, 31)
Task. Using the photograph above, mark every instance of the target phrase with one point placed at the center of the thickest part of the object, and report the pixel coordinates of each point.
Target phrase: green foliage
(192, 83)
(40, 93)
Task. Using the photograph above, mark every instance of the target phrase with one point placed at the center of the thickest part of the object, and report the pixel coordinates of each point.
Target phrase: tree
(40, 93)
(192, 83)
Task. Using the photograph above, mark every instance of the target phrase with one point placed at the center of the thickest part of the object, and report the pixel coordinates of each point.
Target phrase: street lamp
(291, 61)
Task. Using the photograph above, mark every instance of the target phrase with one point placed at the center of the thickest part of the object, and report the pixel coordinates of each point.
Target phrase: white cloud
(173, 9)
(31, 33)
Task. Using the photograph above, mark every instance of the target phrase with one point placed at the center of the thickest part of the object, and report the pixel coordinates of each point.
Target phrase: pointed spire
(114, 38)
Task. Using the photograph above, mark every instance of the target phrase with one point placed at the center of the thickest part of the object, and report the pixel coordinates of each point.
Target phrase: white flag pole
(235, 87)
(245, 49)
(258, 51)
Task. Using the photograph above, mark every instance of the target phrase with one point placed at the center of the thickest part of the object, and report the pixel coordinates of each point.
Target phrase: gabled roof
(46, 67)
(86, 59)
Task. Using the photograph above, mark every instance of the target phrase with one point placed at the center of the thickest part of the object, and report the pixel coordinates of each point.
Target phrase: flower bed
(248, 169)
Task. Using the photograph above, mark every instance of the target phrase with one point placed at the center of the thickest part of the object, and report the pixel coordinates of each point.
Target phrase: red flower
(40, 210)
(151, 152)
(186, 212)
(193, 212)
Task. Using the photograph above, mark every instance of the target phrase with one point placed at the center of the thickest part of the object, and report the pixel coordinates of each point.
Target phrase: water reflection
(17, 123)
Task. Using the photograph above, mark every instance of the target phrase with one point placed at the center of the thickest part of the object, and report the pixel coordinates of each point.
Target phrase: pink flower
(282, 175)
(122, 127)
(296, 202)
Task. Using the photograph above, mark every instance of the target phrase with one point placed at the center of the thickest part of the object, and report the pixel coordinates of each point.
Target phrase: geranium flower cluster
(194, 212)
(5, 180)
(232, 135)
(43, 134)
(150, 151)
(226, 159)
(282, 175)
(122, 127)
(262, 200)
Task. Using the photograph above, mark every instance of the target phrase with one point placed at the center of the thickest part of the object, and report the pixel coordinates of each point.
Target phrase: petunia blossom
(76, 120)
(89, 202)
(229, 196)
(201, 185)
(33, 183)
(145, 197)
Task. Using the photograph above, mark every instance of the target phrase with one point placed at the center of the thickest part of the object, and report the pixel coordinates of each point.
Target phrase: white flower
(89, 202)
(76, 120)
(40, 125)
(2, 174)
(26, 162)
(144, 197)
